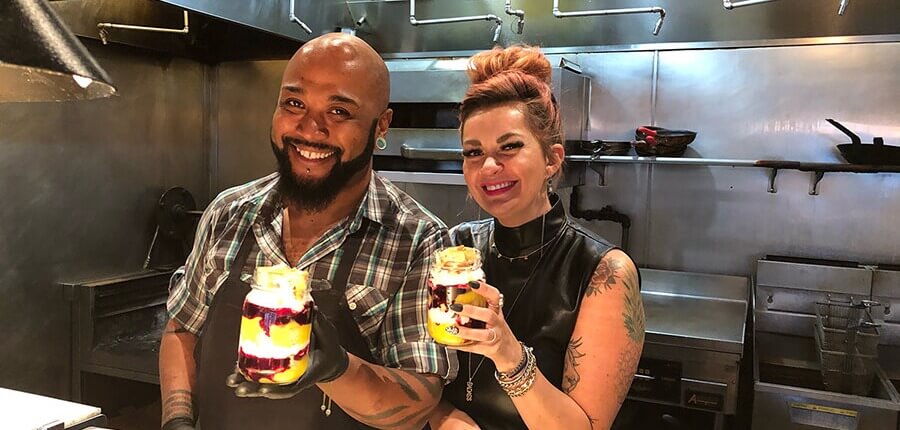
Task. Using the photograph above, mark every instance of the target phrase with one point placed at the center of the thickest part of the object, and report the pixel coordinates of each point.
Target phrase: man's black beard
(315, 195)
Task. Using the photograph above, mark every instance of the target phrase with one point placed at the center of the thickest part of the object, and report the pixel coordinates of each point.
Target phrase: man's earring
(549, 185)
(380, 143)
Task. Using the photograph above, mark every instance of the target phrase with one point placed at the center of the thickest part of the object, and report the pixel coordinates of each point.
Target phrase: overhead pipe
(729, 5)
(293, 18)
(488, 17)
(655, 9)
(842, 7)
(519, 13)
(104, 28)
(733, 4)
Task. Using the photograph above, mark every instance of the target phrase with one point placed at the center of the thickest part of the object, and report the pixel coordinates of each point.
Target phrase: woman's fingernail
(474, 285)
(456, 307)
(452, 329)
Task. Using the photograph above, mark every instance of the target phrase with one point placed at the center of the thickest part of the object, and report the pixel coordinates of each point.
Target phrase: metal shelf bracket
(488, 17)
(655, 9)
(814, 183)
(600, 168)
(772, 174)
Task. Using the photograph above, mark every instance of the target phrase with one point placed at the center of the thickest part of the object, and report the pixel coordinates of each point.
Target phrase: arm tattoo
(402, 416)
(604, 277)
(571, 378)
(628, 359)
(178, 403)
(397, 376)
(634, 309)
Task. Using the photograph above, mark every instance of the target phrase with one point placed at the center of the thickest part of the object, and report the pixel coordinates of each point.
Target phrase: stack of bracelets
(518, 381)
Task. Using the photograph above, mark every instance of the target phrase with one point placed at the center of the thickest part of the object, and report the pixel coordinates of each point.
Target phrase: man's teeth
(313, 155)
(496, 187)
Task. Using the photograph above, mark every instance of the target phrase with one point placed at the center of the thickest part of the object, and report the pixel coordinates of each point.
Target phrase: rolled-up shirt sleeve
(405, 341)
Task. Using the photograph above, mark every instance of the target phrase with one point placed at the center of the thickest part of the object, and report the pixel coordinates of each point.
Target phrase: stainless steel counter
(695, 310)
(692, 322)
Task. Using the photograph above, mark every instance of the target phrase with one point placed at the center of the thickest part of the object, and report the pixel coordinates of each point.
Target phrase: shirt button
(352, 306)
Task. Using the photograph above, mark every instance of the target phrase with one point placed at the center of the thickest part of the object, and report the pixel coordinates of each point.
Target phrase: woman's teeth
(499, 186)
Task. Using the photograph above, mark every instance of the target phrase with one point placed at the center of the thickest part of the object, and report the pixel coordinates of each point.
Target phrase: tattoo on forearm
(403, 416)
(404, 385)
(433, 388)
(604, 277)
(391, 418)
(571, 378)
(178, 403)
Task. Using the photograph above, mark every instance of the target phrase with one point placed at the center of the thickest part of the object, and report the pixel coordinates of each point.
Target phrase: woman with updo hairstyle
(564, 321)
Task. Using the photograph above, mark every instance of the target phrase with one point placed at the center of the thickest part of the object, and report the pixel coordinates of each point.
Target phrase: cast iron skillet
(856, 152)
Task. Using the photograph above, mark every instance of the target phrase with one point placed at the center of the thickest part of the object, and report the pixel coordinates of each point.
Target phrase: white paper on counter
(26, 411)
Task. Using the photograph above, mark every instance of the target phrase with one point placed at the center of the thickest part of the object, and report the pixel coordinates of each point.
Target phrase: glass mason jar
(276, 323)
(451, 271)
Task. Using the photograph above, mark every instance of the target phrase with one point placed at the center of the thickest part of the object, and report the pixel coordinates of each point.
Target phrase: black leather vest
(544, 314)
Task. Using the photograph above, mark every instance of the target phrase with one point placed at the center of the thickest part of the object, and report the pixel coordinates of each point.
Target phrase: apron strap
(351, 247)
(240, 260)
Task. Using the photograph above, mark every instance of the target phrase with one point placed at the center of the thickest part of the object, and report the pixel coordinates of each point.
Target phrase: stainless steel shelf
(803, 166)
(627, 159)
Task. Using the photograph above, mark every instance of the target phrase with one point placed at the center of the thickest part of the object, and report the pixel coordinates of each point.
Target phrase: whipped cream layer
(262, 346)
(455, 277)
(282, 299)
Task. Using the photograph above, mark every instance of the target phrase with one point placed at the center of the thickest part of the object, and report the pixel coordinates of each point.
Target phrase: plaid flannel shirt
(386, 291)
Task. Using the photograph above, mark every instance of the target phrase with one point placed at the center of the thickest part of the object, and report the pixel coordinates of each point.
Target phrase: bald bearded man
(366, 244)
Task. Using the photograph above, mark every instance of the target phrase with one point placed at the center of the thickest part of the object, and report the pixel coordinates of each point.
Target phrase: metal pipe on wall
(599, 12)
(293, 18)
(488, 17)
(104, 28)
(520, 24)
(728, 4)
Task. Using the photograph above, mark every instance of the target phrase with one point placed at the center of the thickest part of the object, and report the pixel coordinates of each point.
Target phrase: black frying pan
(856, 152)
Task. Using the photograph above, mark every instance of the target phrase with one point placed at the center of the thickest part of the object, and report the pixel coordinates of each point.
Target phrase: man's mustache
(317, 145)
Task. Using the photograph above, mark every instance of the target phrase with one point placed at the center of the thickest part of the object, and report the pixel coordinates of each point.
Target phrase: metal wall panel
(772, 102)
(720, 220)
(246, 96)
(387, 24)
(80, 182)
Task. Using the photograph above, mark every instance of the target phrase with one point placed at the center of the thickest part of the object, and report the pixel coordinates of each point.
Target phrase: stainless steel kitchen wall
(752, 103)
(386, 23)
(765, 102)
(80, 182)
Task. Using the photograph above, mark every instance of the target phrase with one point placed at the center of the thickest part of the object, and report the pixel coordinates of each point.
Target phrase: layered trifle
(275, 326)
(452, 270)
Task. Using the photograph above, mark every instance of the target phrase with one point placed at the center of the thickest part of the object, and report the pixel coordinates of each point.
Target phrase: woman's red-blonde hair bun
(520, 58)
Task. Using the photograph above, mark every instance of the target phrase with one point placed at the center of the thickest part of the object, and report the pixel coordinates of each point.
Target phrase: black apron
(216, 354)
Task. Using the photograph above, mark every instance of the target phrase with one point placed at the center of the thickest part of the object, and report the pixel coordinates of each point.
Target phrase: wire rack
(847, 343)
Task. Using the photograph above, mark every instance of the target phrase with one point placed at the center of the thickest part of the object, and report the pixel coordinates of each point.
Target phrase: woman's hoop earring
(380, 143)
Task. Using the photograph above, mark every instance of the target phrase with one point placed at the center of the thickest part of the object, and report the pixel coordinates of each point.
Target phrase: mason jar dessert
(276, 324)
(449, 278)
